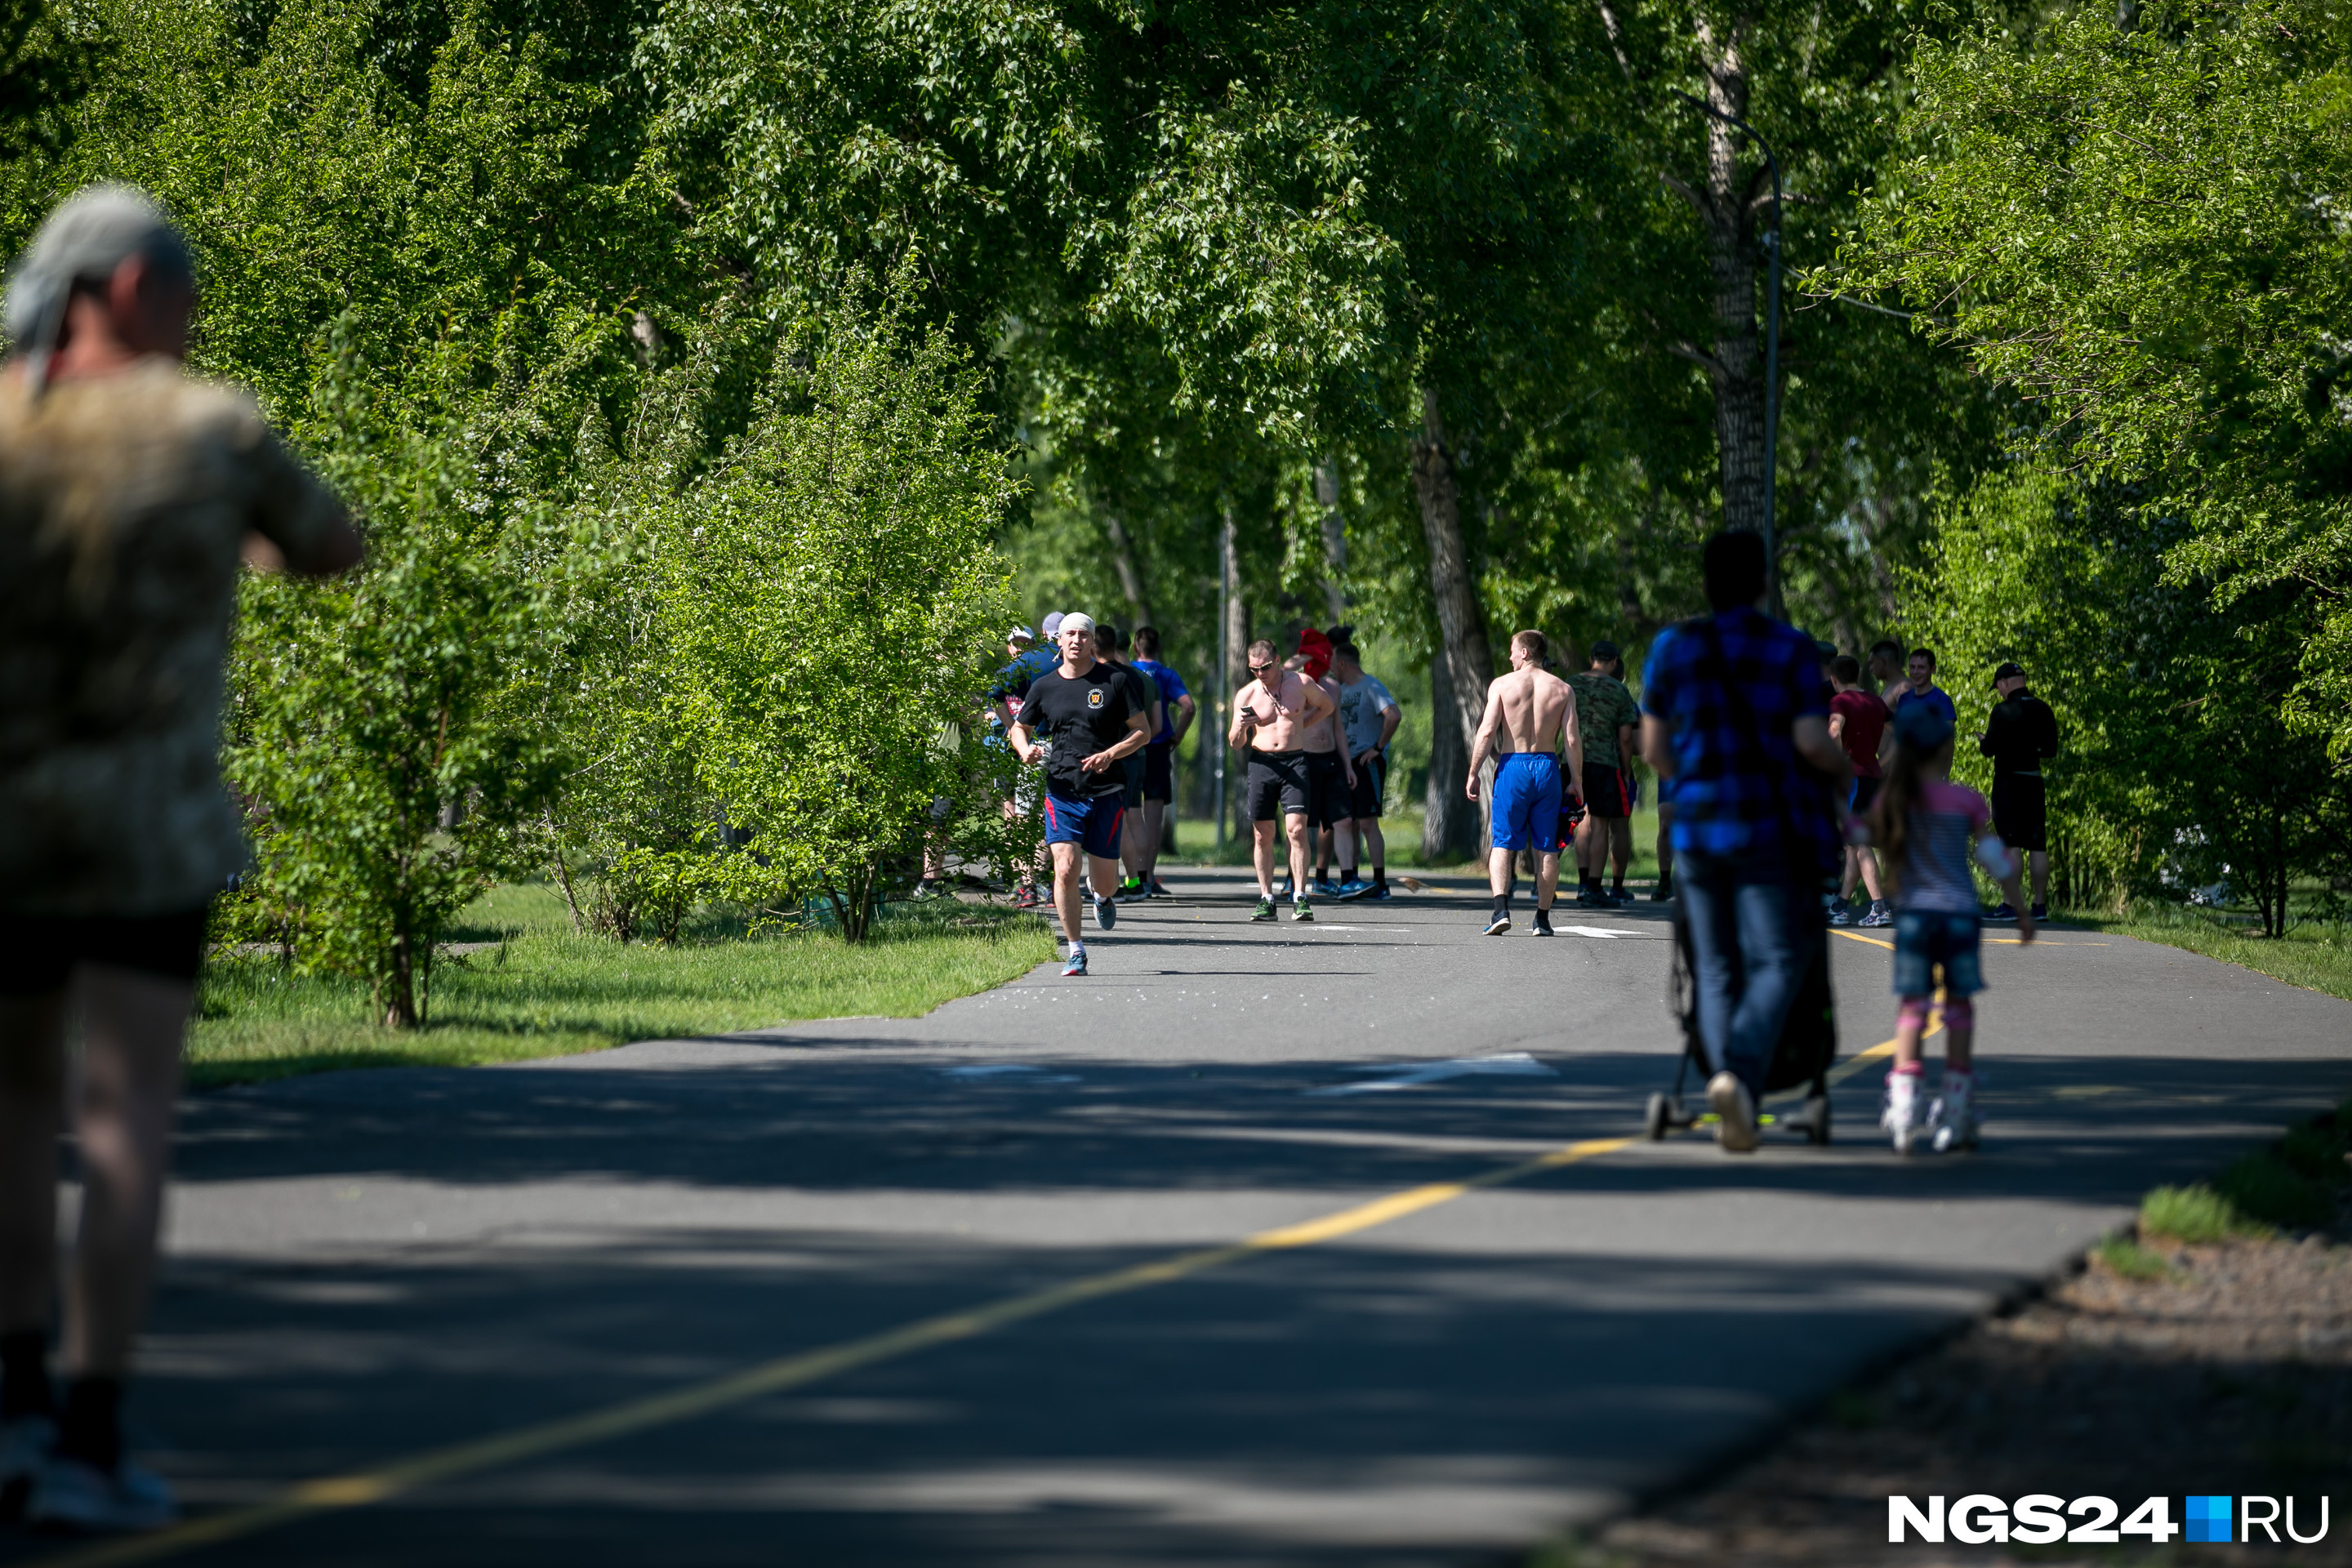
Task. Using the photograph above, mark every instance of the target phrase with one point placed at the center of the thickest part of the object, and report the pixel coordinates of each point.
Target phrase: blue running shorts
(1093, 823)
(1527, 802)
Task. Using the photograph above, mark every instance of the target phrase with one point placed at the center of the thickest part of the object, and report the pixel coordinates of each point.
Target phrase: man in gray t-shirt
(1369, 716)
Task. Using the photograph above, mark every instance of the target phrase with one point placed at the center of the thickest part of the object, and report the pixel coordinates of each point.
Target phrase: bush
(2194, 1214)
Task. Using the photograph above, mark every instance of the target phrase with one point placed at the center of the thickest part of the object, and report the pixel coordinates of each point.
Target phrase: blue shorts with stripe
(1092, 823)
(1527, 802)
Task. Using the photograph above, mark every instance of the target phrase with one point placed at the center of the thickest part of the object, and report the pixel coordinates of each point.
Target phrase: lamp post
(1771, 350)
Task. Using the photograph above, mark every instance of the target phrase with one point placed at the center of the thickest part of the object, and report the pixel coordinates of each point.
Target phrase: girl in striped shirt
(1927, 824)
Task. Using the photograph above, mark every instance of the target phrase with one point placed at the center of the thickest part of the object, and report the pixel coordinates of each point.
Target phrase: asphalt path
(1261, 1244)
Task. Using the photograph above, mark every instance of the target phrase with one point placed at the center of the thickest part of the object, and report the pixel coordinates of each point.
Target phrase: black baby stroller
(1808, 1045)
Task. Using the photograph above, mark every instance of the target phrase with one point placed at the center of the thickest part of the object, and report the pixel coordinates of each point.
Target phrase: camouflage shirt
(124, 502)
(1602, 703)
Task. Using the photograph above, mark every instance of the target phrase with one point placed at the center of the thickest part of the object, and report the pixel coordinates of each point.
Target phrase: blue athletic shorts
(1527, 802)
(1093, 823)
(1925, 938)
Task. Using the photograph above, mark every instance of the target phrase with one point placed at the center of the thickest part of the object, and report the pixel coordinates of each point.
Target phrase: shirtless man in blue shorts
(1529, 713)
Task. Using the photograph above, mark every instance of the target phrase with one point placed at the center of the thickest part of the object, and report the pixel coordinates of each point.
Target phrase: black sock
(1543, 918)
(90, 1430)
(1502, 903)
(1347, 873)
(1380, 876)
(1617, 884)
(1588, 880)
(24, 1375)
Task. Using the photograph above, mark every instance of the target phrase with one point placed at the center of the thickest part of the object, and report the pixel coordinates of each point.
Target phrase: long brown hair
(1890, 813)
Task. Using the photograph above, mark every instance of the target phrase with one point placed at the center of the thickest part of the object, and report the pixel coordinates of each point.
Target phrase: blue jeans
(1752, 930)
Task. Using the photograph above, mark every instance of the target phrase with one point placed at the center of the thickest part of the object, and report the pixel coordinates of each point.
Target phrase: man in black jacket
(2022, 734)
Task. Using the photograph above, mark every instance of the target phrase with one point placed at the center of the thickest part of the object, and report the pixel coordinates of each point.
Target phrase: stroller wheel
(1660, 1118)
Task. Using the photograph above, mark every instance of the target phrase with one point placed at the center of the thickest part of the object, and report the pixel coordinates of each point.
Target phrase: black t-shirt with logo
(1077, 719)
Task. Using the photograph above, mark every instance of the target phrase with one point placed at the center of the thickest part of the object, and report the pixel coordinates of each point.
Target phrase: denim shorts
(1926, 937)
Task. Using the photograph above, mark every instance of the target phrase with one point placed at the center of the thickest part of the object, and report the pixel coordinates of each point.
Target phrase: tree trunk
(1131, 578)
(1335, 541)
(400, 984)
(1236, 670)
(1469, 664)
(1449, 822)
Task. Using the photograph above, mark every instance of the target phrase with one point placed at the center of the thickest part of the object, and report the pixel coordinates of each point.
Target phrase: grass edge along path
(544, 990)
(2309, 958)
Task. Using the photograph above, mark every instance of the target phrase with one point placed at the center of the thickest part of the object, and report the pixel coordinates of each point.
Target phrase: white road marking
(1512, 1063)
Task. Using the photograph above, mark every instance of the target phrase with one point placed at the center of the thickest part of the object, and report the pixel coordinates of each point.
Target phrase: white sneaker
(1901, 1116)
(1730, 1100)
(1954, 1114)
(70, 1495)
(25, 1445)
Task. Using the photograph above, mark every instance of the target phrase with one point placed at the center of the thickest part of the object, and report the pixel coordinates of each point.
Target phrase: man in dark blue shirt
(1735, 715)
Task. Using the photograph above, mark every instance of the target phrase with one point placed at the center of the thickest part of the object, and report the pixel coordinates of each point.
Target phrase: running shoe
(25, 1445)
(1264, 909)
(1027, 899)
(1735, 1109)
(1900, 1116)
(1592, 898)
(72, 1495)
(1879, 915)
(1353, 888)
(1500, 924)
(2000, 914)
(1157, 888)
(1300, 910)
(1325, 889)
(1954, 1114)
(1841, 914)
(1282, 888)
(1664, 893)
(1131, 888)
(2041, 912)
(1077, 963)
(1543, 923)
(1106, 913)
(1380, 895)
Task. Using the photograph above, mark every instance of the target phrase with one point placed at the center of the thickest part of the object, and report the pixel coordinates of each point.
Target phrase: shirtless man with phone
(1272, 717)
(1530, 712)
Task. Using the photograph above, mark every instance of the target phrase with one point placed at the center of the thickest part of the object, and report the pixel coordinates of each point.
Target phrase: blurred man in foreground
(127, 493)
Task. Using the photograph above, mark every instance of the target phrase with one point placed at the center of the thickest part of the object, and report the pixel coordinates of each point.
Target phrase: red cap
(1317, 649)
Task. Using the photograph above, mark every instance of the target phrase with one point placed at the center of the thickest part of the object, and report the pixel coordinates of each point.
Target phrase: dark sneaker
(1841, 914)
(2000, 914)
(1325, 889)
(1543, 923)
(1158, 890)
(1592, 898)
(2041, 912)
(1264, 909)
(1664, 893)
(68, 1495)
(1380, 895)
(1106, 913)
(1500, 924)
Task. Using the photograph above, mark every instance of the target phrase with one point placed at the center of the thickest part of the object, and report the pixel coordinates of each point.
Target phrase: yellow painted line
(1857, 936)
(332, 1493)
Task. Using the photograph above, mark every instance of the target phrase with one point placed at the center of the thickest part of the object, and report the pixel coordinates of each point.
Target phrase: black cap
(1604, 651)
(2007, 669)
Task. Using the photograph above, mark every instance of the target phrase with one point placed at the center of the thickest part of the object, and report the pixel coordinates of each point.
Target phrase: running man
(1110, 647)
(1369, 716)
(1861, 723)
(1530, 713)
(1607, 718)
(1330, 776)
(130, 491)
(1005, 694)
(1271, 715)
(2021, 736)
(1177, 710)
(1080, 707)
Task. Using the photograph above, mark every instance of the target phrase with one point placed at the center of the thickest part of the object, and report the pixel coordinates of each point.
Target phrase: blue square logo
(2209, 1518)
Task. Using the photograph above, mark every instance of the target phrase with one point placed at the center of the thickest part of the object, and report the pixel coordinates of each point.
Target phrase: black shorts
(1133, 768)
(1604, 793)
(1865, 795)
(1278, 784)
(38, 953)
(1372, 783)
(2020, 813)
(1326, 781)
(1160, 770)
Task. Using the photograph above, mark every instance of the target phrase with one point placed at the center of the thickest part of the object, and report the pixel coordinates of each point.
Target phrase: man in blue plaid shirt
(1734, 709)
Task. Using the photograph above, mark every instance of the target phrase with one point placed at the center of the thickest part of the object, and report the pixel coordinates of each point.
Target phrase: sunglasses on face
(1260, 669)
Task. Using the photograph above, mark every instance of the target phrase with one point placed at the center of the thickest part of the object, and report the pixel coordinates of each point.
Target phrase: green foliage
(2131, 1260)
(2136, 217)
(385, 784)
(2195, 1215)
(830, 602)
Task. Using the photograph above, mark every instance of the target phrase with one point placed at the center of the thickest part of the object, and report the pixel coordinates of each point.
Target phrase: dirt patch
(2228, 1370)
